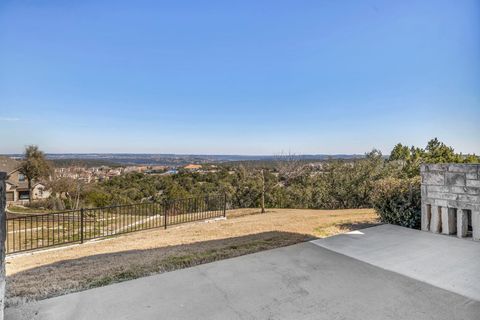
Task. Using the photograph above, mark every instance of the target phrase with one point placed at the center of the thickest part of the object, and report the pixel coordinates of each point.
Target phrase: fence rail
(37, 231)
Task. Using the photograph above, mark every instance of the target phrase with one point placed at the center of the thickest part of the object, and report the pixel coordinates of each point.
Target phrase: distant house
(114, 173)
(17, 185)
(193, 167)
(169, 172)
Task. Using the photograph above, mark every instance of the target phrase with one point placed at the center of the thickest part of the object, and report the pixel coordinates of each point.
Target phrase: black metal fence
(31, 232)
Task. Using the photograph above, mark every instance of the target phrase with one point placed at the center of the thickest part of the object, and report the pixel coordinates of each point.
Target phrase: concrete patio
(443, 261)
(383, 272)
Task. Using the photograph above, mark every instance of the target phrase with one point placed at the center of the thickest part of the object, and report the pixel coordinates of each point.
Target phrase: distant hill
(111, 159)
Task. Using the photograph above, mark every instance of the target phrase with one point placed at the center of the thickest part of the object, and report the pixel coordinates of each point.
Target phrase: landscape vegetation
(387, 183)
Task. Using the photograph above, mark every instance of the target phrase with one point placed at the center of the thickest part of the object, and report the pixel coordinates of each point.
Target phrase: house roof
(8, 164)
(192, 166)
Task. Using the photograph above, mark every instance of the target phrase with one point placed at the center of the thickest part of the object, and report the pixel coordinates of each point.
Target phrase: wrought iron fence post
(3, 238)
(81, 225)
(225, 205)
(165, 205)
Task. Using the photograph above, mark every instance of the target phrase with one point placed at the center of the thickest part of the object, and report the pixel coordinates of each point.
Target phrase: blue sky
(238, 77)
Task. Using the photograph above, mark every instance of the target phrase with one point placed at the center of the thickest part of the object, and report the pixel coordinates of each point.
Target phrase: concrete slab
(303, 281)
(443, 261)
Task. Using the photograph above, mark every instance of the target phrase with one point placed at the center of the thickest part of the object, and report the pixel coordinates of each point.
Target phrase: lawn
(44, 274)
(26, 210)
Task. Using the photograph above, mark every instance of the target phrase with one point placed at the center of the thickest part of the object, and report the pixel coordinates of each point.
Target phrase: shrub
(398, 201)
(51, 203)
(97, 198)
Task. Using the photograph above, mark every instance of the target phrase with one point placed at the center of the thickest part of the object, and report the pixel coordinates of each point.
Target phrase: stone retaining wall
(451, 199)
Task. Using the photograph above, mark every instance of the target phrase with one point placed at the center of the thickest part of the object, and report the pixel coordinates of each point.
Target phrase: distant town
(104, 172)
(97, 167)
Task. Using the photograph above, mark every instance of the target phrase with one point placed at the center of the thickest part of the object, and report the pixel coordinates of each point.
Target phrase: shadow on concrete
(61, 277)
(65, 276)
(358, 225)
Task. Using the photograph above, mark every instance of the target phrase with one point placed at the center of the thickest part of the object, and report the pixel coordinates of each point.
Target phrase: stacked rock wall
(451, 199)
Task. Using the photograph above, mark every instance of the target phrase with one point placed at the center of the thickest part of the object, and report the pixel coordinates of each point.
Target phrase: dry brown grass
(53, 272)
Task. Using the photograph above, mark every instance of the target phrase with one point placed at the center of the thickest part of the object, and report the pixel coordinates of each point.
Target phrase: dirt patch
(54, 272)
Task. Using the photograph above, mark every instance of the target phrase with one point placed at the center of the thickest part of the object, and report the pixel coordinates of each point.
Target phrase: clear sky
(238, 77)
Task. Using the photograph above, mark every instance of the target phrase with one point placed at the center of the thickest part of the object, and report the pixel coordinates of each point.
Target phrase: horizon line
(192, 154)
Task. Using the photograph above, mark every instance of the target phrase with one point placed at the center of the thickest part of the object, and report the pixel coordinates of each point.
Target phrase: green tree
(399, 152)
(34, 167)
(409, 159)
(471, 158)
(438, 152)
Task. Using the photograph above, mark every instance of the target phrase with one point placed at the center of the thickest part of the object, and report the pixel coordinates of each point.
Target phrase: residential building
(17, 185)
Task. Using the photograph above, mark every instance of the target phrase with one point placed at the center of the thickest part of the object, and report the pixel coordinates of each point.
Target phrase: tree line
(287, 182)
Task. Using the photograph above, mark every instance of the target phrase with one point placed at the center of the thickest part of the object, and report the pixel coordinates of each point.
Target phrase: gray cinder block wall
(451, 199)
(3, 230)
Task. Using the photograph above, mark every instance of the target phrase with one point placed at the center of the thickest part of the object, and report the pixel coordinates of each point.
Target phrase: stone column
(449, 225)
(476, 224)
(3, 229)
(426, 216)
(436, 220)
(462, 223)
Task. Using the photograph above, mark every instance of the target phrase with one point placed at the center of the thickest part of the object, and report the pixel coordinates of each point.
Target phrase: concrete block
(442, 195)
(465, 190)
(472, 175)
(449, 223)
(434, 178)
(441, 203)
(436, 167)
(468, 198)
(476, 225)
(426, 216)
(458, 167)
(436, 220)
(438, 189)
(455, 179)
(462, 223)
(473, 183)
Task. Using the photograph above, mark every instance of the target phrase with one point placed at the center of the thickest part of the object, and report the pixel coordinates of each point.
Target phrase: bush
(39, 206)
(398, 201)
(50, 203)
(97, 198)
